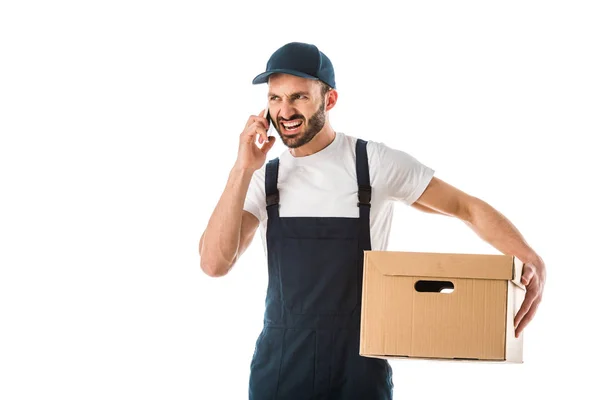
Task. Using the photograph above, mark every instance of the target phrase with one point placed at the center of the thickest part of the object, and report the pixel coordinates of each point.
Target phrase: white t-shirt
(324, 184)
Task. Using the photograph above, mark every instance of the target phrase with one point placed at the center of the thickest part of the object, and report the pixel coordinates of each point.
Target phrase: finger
(259, 116)
(527, 319)
(268, 145)
(249, 134)
(258, 129)
(528, 273)
(250, 121)
(530, 297)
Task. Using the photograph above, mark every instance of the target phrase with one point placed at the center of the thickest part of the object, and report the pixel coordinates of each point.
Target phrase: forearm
(220, 242)
(498, 231)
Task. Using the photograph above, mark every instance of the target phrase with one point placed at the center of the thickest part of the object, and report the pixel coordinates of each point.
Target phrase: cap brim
(264, 77)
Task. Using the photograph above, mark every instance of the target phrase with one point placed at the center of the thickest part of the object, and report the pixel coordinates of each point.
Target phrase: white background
(119, 124)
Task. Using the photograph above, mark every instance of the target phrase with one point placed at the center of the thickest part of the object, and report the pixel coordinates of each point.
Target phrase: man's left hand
(533, 277)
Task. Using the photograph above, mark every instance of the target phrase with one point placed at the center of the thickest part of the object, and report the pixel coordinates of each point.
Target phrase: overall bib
(308, 347)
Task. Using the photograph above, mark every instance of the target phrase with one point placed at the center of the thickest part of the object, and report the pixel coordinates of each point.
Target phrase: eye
(273, 98)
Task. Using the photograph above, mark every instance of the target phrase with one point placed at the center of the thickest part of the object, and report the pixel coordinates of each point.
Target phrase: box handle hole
(434, 286)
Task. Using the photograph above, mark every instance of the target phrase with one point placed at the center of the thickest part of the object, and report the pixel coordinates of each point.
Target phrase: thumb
(527, 274)
(268, 145)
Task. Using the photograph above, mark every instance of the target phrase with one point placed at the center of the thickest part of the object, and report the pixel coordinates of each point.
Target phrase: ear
(331, 99)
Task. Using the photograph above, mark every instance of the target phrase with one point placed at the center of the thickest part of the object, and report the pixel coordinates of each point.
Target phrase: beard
(310, 129)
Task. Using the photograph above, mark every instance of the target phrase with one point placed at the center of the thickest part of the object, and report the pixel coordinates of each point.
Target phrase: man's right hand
(250, 156)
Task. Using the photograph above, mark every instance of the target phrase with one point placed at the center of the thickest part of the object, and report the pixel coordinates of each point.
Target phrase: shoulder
(350, 142)
(391, 157)
(378, 152)
(396, 173)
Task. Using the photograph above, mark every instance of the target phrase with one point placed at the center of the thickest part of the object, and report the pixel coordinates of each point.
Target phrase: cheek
(311, 110)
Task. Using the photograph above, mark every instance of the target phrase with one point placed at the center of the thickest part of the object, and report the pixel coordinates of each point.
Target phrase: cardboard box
(441, 305)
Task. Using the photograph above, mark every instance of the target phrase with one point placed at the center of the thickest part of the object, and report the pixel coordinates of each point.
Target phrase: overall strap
(271, 191)
(364, 192)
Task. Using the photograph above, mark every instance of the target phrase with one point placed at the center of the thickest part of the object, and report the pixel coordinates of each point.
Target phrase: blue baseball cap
(299, 59)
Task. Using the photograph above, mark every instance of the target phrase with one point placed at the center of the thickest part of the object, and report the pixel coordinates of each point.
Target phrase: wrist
(534, 259)
(239, 167)
(242, 171)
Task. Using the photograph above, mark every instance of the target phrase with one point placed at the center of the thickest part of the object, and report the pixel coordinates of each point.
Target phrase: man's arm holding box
(493, 227)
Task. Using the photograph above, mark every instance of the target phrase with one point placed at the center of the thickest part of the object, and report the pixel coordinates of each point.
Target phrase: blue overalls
(308, 347)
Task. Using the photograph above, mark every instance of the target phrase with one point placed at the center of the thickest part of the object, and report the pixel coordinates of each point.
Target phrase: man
(320, 204)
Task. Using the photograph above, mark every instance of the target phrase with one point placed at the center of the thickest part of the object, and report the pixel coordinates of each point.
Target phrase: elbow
(214, 273)
(469, 210)
(476, 213)
(208, 266)
(213, 269)
(213, 263)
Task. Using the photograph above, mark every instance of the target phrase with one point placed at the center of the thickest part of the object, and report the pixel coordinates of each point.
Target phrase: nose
(287, 110)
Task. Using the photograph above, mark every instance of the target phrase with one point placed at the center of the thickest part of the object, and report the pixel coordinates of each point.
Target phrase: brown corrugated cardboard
(441, 305)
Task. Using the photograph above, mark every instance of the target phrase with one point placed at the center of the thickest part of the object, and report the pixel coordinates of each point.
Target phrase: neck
(318, 143)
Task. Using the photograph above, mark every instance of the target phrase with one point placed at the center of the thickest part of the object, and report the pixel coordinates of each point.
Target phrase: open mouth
(291, 126)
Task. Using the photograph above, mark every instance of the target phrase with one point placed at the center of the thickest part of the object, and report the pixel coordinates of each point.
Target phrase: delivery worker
(319, 205)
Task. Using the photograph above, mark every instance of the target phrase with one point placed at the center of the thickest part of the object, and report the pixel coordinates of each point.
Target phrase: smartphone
(268, 117)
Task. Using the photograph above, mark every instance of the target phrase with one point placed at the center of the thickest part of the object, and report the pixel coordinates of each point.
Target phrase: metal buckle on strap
(364, 195)
(272, 199)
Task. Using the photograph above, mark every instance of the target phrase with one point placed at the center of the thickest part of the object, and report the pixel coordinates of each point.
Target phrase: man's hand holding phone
(250, 155)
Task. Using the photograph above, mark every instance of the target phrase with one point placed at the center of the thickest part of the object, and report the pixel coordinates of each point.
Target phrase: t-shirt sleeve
(402, 176)
(255, 201)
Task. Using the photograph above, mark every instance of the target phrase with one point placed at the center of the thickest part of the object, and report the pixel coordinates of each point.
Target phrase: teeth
(292, 126)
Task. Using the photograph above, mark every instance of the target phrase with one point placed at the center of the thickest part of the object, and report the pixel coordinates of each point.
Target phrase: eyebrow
(291, 95)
